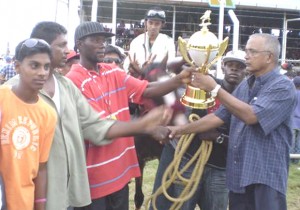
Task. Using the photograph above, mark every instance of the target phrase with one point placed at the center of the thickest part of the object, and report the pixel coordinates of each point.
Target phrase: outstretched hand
(157, 116)
(161, 134)
(203, 81)
(156, 120)
(186, 75)
(174, 131)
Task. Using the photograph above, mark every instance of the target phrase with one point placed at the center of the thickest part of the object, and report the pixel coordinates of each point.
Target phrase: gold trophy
(202, 50)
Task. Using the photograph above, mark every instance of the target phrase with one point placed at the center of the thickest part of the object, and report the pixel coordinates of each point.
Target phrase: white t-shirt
(139, 46)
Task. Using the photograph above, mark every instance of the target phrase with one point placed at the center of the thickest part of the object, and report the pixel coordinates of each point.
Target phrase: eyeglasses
(153, 13)
(111, 60)
(252, 52)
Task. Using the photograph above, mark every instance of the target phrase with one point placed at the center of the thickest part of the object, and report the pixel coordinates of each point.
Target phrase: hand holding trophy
(202, 50)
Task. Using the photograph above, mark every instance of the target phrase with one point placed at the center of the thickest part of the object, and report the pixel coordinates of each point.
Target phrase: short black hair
(48, 31)
(31, 47)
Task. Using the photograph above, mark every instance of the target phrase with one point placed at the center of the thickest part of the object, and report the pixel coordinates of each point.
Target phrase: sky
(18, 17)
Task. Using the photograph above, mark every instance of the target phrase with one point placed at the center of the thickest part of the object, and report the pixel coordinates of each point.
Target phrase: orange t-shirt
(26, 136)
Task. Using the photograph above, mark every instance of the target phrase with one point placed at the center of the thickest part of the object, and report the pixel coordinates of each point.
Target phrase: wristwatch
(215, 91)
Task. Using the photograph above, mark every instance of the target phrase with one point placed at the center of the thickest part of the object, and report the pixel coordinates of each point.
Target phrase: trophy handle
(183, 50)
(222, 49)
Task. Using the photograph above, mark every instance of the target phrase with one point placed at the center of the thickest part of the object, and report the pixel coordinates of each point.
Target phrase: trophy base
(197, 99)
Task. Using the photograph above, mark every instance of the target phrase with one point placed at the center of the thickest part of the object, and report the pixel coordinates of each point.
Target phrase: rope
(172, 173)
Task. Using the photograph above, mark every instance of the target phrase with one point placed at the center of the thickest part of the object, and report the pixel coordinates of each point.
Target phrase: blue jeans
(162, 203)
(295, 148)
(211, 193)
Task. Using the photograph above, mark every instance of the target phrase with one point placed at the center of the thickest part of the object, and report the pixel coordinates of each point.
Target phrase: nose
(43, 71)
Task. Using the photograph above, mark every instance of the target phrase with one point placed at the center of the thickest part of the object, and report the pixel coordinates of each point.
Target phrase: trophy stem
(197, 98)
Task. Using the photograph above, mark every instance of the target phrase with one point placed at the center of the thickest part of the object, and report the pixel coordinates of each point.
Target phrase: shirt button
(234, 162)
(234, 146)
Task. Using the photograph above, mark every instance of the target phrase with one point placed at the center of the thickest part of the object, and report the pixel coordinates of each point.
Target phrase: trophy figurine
(202, 50)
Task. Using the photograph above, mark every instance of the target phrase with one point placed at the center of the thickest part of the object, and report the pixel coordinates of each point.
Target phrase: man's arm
(204, 124)
(40, 192)
(156, 89)
(147, 124)
(238, 108)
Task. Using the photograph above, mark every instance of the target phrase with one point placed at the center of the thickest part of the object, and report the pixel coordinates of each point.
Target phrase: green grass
(293, 194)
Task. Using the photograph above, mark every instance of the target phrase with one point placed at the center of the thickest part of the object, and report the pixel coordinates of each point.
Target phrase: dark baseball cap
(90, 28)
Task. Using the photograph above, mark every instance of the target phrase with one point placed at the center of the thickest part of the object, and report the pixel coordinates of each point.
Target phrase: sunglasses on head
(153, 13)
(30, 43)
(111, 60)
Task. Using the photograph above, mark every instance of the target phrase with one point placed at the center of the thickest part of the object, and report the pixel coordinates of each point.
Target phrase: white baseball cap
(238, 55)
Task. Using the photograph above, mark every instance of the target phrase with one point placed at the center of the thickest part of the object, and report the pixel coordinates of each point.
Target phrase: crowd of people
(68, 142)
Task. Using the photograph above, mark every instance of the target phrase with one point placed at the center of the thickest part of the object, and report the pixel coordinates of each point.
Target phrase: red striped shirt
(112, 166)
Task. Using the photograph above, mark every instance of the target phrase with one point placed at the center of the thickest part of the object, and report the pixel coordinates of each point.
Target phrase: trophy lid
(204, 39)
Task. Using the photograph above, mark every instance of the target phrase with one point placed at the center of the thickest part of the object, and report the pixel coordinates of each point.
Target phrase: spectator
(109, 89)
(296, 122)
(27, 129)
(260, 132)
(72, 58)
(8, 71)
(114, 54)
(151, 46)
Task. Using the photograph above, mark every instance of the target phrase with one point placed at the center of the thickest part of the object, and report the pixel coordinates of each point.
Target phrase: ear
(17, 66)
(223, 66)
(270, 58)
(78, 44)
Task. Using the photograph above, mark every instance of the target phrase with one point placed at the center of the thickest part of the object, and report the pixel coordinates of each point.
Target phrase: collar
(263, 78)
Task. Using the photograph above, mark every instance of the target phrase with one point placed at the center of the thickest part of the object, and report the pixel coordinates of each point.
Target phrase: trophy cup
(202, 50)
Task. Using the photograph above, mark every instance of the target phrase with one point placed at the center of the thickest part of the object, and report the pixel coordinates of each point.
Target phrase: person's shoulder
(63, 80)
(138, 39)
(47, 110)
(165, 36)
(13, 81)
(5, 89)
(77, 73)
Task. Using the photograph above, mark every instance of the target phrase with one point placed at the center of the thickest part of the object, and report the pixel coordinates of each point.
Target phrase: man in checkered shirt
(8, 71)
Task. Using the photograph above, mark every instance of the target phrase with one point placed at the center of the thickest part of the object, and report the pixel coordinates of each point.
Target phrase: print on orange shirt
(22, 131)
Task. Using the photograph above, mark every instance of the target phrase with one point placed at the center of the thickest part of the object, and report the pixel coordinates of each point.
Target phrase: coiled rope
(172, 173)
